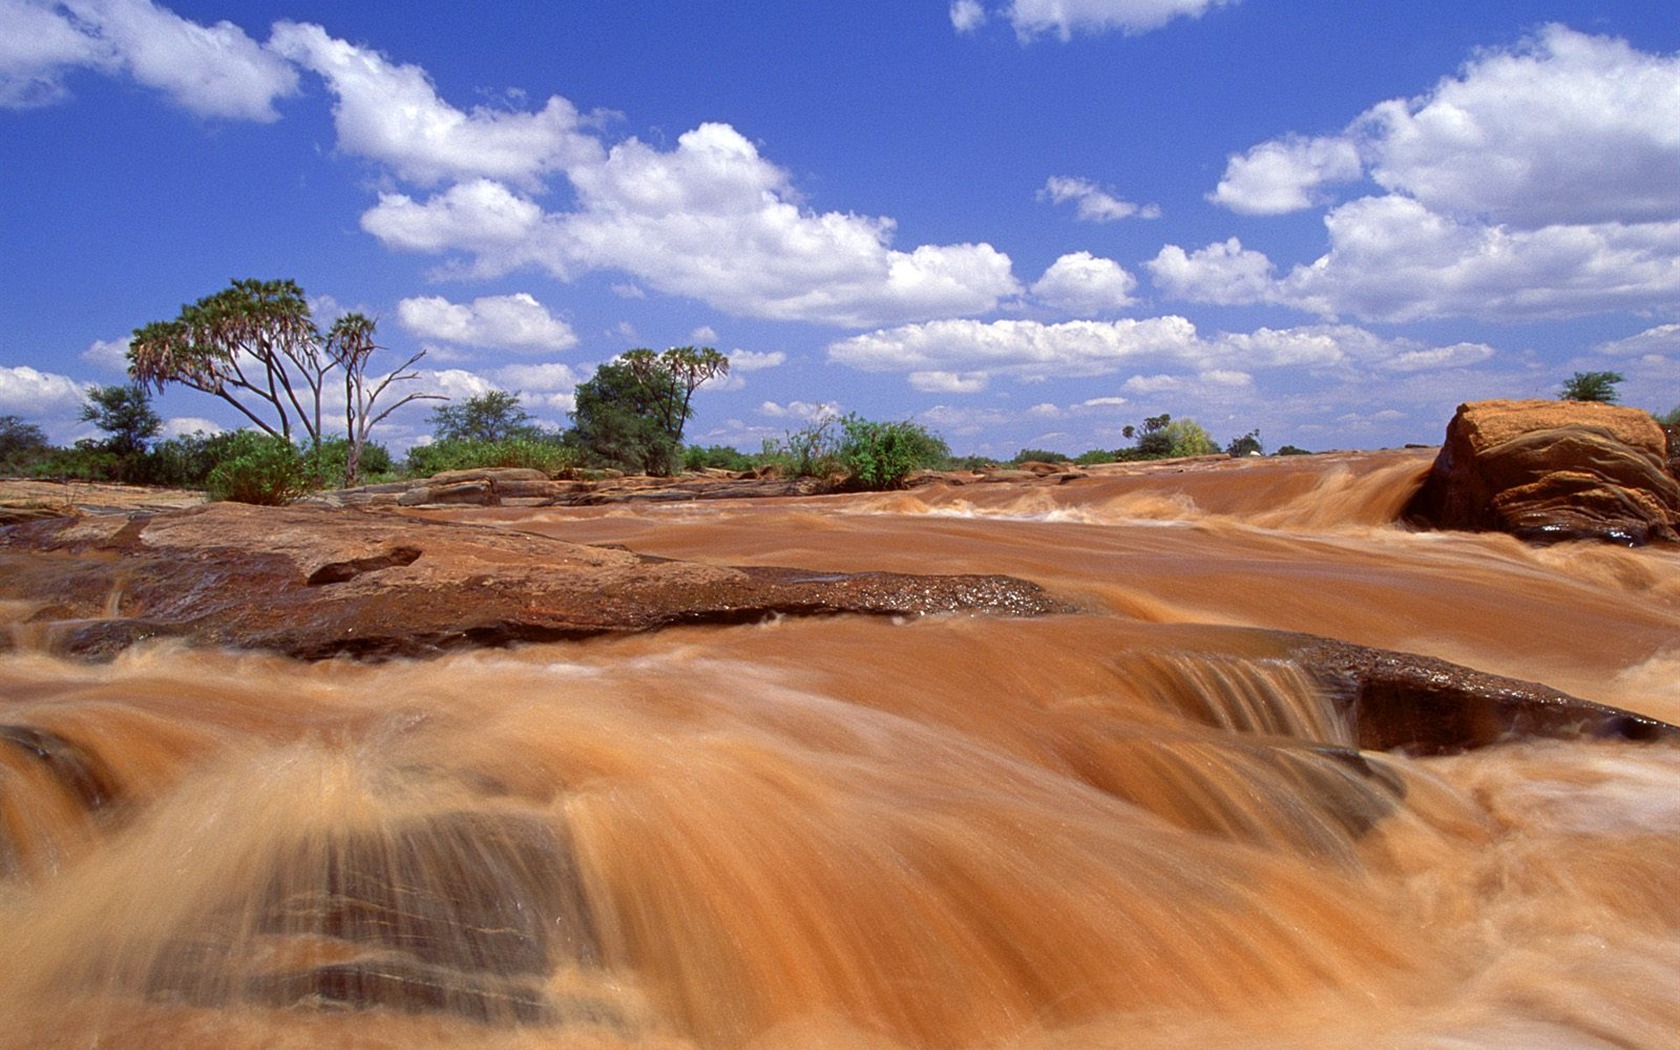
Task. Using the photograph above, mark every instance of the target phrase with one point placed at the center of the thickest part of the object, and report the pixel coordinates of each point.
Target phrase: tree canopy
(125, 413)
(255, 345)
(619, 419)
(631, 413)
(495, 415)
(671, 378)
(1592, 386)
(19, 442)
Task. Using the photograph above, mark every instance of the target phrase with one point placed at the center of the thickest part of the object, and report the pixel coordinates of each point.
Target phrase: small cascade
(1239, 695)
(52, 792)
(322, 885)
(1259, 754)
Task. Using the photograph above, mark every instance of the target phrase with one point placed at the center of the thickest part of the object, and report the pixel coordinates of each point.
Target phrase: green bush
(882, 455)
(186, 461)
(329, 465)
(1189, 439)
(716, 457)
(268, 471)
(22, 445)
(813, 451)
(1592, 386)
(1154, 444)
(1037, 455)
(84, 461)
(1291, 450)
(1095, 456)
(1247, 445)
(543, 453)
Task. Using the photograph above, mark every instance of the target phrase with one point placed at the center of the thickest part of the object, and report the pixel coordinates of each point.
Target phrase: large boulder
(1552, 470)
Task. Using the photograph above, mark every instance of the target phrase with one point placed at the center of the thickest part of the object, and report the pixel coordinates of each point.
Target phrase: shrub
(883, 455)
(621, 420)
(1189, 439)
(329, 465)
(85, 461)
(186, 461)
(22, 445)
(1247, 445)
(1095, 456)
(1155, 444)
(1037, 455)
(268, 471)
(716, 457)
(544, 454)
(1591, 386)
(1291, 450)
(812, 451)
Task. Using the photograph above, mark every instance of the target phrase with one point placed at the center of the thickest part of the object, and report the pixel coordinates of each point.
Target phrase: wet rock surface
(1552, 470)
(1424, 706)
(316, 582)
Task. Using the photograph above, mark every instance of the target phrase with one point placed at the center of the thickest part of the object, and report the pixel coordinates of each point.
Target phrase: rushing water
(1130, 827)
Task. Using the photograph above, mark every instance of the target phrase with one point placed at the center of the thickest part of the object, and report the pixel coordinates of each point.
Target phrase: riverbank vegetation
(256, 346)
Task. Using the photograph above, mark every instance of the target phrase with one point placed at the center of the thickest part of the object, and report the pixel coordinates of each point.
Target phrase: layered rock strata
(1552, 470)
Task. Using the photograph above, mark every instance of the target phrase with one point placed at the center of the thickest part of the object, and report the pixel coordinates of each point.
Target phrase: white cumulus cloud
(552, 376)
(967, 15)
(1662, 340)
(1071, 348)
(1225, 273)
(1566, 129)
(949, 382)
(961, 356)
(710, 218)
(485, 219)
(1540, 181)
(515, 322)
(213, 70)
(1081, 283)
(756, 360)
(108, 355)
(1091, 202)
(392, 114)
(803, 410)
(27, 392)
(1286, 175)
(1064, 18)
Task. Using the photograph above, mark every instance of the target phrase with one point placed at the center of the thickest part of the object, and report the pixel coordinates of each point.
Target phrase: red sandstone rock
(1552, 470)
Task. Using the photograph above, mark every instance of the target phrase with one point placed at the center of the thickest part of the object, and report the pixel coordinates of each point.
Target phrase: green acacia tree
(631, 413)
(21, 443)
(495, 415)
(253, 344)
(619, 419)
(1592, 386)
(125, 413)
(671, 378)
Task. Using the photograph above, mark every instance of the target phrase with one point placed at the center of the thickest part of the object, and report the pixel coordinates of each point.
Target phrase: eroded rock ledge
(1425, 706)
(314, 582)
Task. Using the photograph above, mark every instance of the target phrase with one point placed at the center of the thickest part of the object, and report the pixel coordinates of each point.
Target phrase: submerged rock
(1402, 701)
(316, 582)
(1552, 470)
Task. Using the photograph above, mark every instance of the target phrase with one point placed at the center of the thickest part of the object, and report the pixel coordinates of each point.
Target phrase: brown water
(1124, 828)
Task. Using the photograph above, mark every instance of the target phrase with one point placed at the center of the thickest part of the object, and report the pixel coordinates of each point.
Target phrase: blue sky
(1023, 223)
